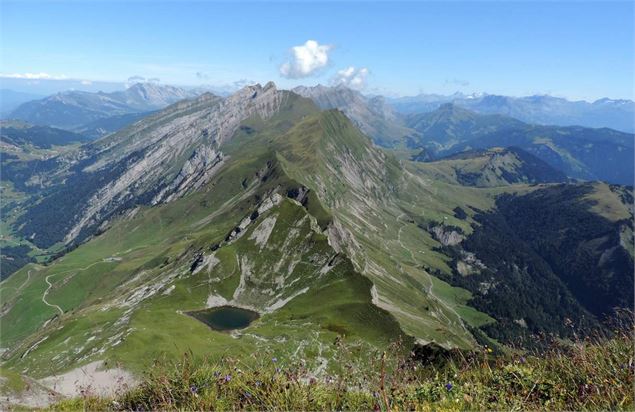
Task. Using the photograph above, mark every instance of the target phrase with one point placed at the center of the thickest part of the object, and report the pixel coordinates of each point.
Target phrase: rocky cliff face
(372, 115)
(74, 108)
(156, 160)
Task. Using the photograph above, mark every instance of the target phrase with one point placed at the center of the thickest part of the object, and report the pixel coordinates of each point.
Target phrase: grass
(378, 216)
(593, 374)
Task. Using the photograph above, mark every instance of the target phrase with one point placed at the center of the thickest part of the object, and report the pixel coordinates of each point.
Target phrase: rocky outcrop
(449, 237)
(372, 115)
(159, 159)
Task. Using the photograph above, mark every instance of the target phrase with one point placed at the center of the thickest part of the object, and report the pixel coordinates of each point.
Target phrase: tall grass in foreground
(592, 374)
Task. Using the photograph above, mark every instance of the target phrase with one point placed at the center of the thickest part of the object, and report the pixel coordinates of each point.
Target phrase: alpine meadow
(316, 206)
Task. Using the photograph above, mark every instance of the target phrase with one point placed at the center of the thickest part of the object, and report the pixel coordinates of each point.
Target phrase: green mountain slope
(550, 260)
(582, 153)
(111, 297)
(305, 222)
(451, 124)
(494, 167)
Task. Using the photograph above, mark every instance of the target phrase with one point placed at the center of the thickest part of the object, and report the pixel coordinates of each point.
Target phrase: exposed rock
(447, 237)
(162, 157)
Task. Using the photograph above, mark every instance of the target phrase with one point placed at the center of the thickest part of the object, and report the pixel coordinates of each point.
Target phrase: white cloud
(33, 76)
(352, 77)
(86, 82)
(306, 60)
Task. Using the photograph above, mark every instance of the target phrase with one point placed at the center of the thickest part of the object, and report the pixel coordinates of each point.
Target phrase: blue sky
(570, 49)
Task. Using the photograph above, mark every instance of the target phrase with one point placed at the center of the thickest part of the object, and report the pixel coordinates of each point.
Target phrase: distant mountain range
(75, 109)
(434, 125)
(10, 99)
(579, 152)
(543, 110)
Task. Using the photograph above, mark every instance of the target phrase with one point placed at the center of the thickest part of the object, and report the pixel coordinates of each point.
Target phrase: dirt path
(46, 279)
(50, 285)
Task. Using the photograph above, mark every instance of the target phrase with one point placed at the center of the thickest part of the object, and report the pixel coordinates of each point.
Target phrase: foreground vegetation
(592, 374)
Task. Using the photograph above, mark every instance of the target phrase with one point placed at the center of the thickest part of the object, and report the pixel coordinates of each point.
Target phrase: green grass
(592, 375)
(379, 288)
(11, 382)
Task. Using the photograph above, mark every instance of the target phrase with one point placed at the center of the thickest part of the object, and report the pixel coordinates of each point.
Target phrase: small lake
(225, 318)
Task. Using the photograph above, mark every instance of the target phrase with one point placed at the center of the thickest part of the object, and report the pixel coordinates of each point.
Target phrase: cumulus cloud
(306, 60)
(352, 77)
(34, 76)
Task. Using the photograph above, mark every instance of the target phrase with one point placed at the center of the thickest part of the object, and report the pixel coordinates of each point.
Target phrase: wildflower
(274, 360)
(228, 378)
(258, 383)
(522, 359)
(247, 395)
(193, 389)
(277, 370)
(448, 386)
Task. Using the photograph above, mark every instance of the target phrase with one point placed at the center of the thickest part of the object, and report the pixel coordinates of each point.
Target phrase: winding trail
(46, 279)
(50, 285)
(28, 277)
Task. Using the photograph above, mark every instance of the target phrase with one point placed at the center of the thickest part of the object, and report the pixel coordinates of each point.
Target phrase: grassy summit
(588, 375)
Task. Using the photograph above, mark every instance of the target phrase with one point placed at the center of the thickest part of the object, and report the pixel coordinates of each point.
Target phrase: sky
(574, 49)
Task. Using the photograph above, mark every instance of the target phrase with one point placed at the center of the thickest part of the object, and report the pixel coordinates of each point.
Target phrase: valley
(317, 206)
(289, 221)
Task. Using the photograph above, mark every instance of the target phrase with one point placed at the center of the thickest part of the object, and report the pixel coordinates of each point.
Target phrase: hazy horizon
(575, 50)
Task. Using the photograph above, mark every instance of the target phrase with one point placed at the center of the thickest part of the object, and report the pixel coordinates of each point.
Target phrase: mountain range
(537, 109)
(581, 153)
(10, 99)
(282, 203)
(76, 109)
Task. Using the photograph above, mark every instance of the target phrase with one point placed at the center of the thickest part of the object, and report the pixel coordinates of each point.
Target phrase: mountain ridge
(539, 109)
(73, 109)
(303, 220)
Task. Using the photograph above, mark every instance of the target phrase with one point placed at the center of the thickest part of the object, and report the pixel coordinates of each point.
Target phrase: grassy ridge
(587, 375)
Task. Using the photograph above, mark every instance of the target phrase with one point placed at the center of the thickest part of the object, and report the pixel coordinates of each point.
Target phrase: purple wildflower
(193, 389)
(448, 386)
(274, 360)
(228, 378)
